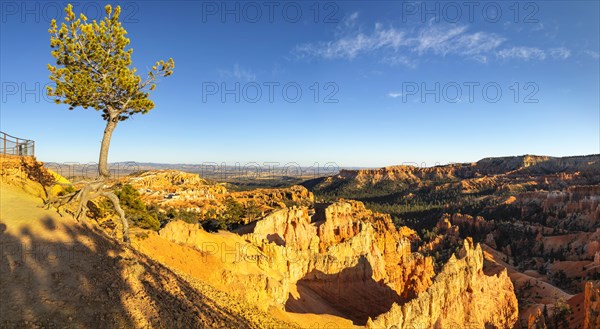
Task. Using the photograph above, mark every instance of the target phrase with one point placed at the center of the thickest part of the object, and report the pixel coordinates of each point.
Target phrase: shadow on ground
(93, 281)
(351, 293)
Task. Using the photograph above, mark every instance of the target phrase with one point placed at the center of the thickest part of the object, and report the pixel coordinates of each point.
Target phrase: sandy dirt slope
(58, 273)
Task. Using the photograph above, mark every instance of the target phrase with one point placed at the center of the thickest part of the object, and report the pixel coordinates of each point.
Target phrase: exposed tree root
(89, 192)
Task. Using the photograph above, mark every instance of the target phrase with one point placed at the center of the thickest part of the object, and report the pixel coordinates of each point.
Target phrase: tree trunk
(111, 124)
(97, 188)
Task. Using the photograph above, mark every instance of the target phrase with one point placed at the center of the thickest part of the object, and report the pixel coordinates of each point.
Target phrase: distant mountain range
(501, 168)
(525, 164)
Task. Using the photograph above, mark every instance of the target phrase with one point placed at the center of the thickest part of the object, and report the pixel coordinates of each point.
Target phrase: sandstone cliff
(348, 232)
(355, 264)
(351, 247)
(296, 256)
(461, 296)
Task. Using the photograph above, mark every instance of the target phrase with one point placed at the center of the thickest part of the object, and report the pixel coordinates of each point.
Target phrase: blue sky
(363, 68)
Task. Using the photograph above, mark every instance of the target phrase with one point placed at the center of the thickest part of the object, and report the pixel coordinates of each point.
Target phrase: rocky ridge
(501, 174)
(461, 296)
(189, 192)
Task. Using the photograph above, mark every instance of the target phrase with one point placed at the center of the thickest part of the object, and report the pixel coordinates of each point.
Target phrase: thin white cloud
(524, 53)
(436, 39)
(350, 20)
(432, 39)
(351, 46)
(397, 59)
(533, 53)
(394, 94)
(538, 27)
(238, 73)
(560, 53)
(444, 41)
(592, 54)
(478, 43)
(394, 46)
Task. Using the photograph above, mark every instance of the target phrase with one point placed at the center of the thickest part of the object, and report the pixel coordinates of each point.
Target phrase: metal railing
(11, 145)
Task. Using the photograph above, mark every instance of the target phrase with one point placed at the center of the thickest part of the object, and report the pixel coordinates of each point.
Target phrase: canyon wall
(357, 263)
(461, 296)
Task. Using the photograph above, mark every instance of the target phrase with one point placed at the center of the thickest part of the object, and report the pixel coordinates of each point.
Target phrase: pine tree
(94, 70)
